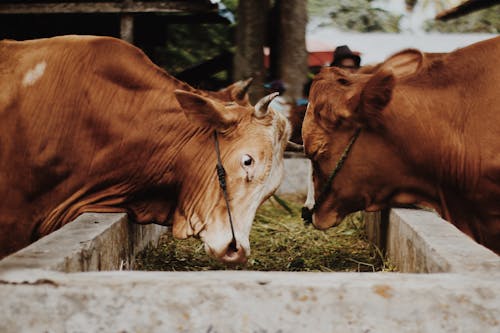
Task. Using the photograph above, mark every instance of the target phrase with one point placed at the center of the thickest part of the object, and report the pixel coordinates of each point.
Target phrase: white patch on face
(34, 74)
(310, 187)
(270, 184)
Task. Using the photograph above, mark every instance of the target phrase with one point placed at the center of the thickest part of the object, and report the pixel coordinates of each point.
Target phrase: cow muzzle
(232, 253)
(326, 221)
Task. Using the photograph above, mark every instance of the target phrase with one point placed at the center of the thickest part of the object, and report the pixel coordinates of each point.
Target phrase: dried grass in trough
(280, 242)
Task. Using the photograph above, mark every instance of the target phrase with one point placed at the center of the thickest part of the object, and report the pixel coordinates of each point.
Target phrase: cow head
(252, 141)
(340, 103)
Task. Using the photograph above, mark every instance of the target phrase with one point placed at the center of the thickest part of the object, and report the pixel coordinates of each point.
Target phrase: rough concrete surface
(249, 302)
(294, 180)
(422, 242)
(92, 242)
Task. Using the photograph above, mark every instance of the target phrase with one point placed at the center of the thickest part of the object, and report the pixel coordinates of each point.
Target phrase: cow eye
(343, 81)
(246, 161)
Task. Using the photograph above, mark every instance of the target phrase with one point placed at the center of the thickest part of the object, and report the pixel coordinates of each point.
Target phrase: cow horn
(261, 107)
(292, 146)
(243, 86)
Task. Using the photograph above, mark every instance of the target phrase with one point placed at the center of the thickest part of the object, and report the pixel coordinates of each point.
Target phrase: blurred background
(280, 43)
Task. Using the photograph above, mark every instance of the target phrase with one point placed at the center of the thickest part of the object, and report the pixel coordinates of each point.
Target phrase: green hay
(280, 242)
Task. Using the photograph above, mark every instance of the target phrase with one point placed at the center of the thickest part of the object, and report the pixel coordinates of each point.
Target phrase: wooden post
(250, 39)
(292, 53)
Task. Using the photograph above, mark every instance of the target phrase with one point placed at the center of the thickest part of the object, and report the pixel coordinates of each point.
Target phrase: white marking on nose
(34, 74)
(310, 187)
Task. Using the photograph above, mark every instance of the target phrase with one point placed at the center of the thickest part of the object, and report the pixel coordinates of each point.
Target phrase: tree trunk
(251, 33)
(292, 53)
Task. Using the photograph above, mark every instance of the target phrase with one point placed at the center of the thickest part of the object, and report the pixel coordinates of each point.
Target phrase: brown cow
(430, 130)
(90, 124)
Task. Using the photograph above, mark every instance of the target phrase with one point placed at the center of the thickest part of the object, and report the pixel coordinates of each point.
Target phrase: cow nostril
(234, 254)
(307, 215)
(230, 253)
(233, 246)
(232, 250)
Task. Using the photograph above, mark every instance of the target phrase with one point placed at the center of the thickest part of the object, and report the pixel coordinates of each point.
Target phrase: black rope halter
(221, 174)
(307, 213)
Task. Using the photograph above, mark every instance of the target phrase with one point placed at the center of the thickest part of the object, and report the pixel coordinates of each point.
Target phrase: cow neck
(306, 212)
(430, 139)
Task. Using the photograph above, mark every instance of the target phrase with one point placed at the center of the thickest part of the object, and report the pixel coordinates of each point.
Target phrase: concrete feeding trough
(448, 283)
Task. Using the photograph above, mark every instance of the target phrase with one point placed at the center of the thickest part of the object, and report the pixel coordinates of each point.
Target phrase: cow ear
(204, 111)
(404, 63)
(239, 91)
(374, 97)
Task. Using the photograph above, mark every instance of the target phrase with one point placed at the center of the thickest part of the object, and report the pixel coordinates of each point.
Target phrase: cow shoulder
(123, 64)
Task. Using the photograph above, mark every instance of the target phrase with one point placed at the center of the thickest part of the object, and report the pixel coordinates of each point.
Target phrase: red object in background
(314, 59)
(322, 58)
(319, 58)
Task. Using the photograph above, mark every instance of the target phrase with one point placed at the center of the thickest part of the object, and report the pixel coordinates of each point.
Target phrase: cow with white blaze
(90, 124)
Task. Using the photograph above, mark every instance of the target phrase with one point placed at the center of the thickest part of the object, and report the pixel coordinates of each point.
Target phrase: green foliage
(356, 15)
(486, 20)
(191, 44)
(188, 45)
(318, 7)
